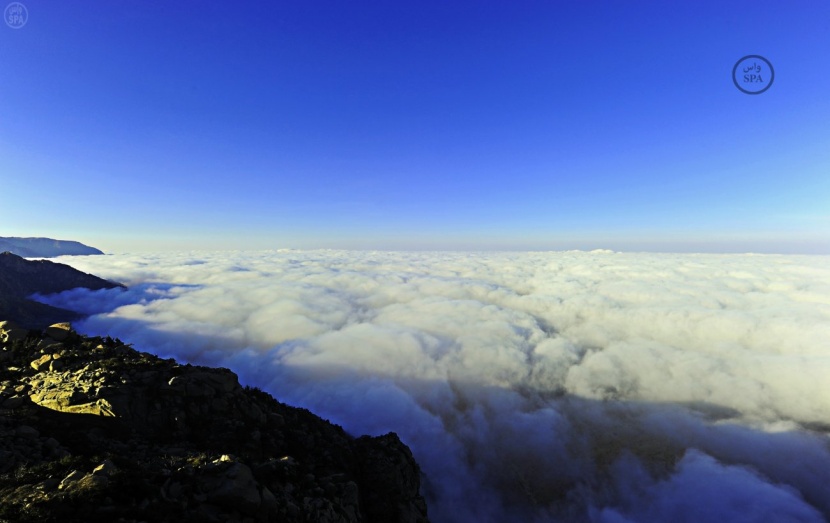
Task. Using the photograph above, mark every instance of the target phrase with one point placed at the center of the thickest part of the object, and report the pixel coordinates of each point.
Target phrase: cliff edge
(93, 430)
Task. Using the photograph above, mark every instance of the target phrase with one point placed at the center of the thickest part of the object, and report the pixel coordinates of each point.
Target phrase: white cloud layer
(569, 386)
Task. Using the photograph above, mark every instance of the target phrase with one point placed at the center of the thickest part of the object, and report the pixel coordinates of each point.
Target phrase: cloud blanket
(546, 386)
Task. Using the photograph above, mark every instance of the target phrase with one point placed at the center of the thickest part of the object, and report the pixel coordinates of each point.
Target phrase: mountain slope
(94, 431)
(19, 278)
(44, 247)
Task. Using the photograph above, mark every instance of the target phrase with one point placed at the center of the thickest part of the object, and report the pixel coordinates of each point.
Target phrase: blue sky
(136, 125)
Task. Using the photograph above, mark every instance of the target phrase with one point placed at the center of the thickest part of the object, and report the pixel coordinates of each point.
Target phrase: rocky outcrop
(92, 430)
(45, 247)
(20, 278)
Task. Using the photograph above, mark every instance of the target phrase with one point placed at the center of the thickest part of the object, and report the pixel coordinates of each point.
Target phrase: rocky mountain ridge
(44, 247)
(93, 430)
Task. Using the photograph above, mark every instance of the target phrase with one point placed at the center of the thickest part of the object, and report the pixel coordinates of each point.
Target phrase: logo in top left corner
(16, 15)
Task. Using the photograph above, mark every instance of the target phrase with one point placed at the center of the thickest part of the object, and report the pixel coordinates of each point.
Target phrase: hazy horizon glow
(416, 125)
(571, 386)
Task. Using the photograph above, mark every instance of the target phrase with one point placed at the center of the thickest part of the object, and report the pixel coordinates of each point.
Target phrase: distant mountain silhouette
(20, 278)
(44, 247)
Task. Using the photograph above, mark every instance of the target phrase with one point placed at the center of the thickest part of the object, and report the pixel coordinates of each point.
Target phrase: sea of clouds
(544, 386)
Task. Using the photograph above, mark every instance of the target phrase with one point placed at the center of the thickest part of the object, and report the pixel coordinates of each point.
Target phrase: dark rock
(116, 434)
(58, 331)
(393, 479)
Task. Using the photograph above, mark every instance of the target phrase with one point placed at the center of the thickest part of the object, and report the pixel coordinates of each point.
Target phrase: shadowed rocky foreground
(92, 430)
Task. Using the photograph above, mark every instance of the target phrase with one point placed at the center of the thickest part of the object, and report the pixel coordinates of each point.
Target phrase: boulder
(59, 331)
(107, 468)
(73, 477)
(40, 362)
(232, 486)
(10, 332)
(64, 398)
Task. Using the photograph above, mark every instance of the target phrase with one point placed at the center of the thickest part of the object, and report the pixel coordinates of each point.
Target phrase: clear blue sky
(416, 124)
